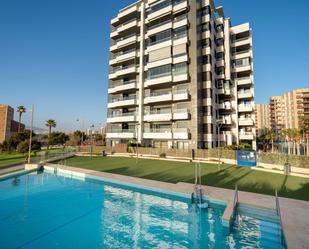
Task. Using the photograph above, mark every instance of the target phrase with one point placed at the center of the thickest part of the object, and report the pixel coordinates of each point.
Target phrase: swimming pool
(57, 211)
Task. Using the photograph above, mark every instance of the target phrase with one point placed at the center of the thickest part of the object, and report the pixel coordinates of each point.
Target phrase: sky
(54, 54)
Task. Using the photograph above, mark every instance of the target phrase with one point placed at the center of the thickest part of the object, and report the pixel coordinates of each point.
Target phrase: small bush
(162, 155)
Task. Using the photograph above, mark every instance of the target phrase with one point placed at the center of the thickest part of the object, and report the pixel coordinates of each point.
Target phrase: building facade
(8, 127)
(181, 76)
(262, 119)
(286, 110)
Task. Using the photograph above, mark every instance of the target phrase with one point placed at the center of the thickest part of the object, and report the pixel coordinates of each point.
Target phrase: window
(206, 43)
(160, 71)
(207, 76)
(180, 32)
(207, 110)
(159, 5)
(220, 42)
(207, 93)
(160, 37)
(206, 59)
(208, 128)
(205, 27)
(180, 68)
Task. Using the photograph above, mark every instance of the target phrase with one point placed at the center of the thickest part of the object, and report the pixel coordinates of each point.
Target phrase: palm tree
(271, 136)
(50, 123)
(20, 109)
(304, 127)
(286, 133)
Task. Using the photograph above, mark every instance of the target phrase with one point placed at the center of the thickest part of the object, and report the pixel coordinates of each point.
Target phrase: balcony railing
(159, 111)
(119, 130)
(122, 83)
(123, 114)
(158, 130)
(122, 99)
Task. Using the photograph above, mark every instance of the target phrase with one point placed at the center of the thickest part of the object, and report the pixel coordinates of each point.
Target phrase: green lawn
(229, 175)
(11, 158)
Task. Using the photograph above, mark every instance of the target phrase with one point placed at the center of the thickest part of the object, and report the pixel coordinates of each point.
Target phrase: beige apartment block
(262, 119)
(285, 110)
(178, 71)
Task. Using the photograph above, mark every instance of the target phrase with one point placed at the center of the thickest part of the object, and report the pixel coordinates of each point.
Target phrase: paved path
(294, 213)
(12, 169)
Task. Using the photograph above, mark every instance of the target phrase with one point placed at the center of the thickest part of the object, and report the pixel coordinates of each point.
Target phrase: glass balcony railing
(159, 111)
(119, 130)
(123, 114)
(123, 99)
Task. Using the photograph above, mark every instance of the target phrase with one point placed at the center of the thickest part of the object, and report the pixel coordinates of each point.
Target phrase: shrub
(162, 155)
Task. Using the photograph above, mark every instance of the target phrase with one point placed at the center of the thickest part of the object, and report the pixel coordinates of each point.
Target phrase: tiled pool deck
(294, 213)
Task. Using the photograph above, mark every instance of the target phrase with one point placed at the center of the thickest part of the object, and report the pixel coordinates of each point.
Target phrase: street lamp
(91, 139)
(136, 134)
(83, 123)
(30, 138)
(219, 123)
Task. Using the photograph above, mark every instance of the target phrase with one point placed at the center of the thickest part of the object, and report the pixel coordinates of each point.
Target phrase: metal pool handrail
(278, 207)
(278, 213)
(235, 200)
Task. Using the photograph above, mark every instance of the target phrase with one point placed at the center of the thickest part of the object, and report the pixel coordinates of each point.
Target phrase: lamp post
(30, 138)
(218, 125)
(83, 123)
(136, 134)
(91, 139)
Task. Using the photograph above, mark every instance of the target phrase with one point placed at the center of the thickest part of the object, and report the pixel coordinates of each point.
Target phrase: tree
(287, 134)
(79, 137)
(304, 127)
(23, 147)
(271, 136)
(58, 138)
(50, 123)
(20, 109)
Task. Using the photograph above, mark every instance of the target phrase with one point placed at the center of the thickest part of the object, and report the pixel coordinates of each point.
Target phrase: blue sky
(54, 53)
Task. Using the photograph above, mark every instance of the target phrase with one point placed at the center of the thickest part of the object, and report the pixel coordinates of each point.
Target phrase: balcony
(127, 40)
(158, 115)
(122, 117)
(225, 106)
(120, 133)
(242, 68)
(158, 97)
(181, 114)
(118, 71)
(164, 78)
(227, 120)
(181, 95)
(246, 135)
(242, 54)
(158, 10)
(244, 81)
(224, 91)
(246, 122)
(242, 41)
(244, 94)
(127, 25)
(128, 10)
(128, 55)
(158, 133)
(122, 101)
(168, 24)
(122, 86)
(245, 108)
(181, 133)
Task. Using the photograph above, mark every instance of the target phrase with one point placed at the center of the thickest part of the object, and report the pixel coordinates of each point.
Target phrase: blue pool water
(52, 211)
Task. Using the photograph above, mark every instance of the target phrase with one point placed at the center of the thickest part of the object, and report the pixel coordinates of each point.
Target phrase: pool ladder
(197, 194)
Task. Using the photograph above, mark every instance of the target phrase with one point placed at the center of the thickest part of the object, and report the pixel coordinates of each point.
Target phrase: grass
(7, 159)
(173, 172)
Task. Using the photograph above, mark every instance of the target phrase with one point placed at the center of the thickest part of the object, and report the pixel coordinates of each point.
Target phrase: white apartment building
(180, 76)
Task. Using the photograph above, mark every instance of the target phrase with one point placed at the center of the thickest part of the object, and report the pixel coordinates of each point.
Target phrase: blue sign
(246, 158)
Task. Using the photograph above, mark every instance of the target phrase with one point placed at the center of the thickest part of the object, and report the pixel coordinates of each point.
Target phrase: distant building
(8, 127)
(285, 110)
(262, 119)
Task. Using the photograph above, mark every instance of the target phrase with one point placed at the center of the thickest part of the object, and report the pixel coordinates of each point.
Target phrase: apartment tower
(8, 127)
(181, 76)
(286, 110)
(262, 119)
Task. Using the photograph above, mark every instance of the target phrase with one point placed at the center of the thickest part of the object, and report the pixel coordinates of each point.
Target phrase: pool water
(53, 211)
